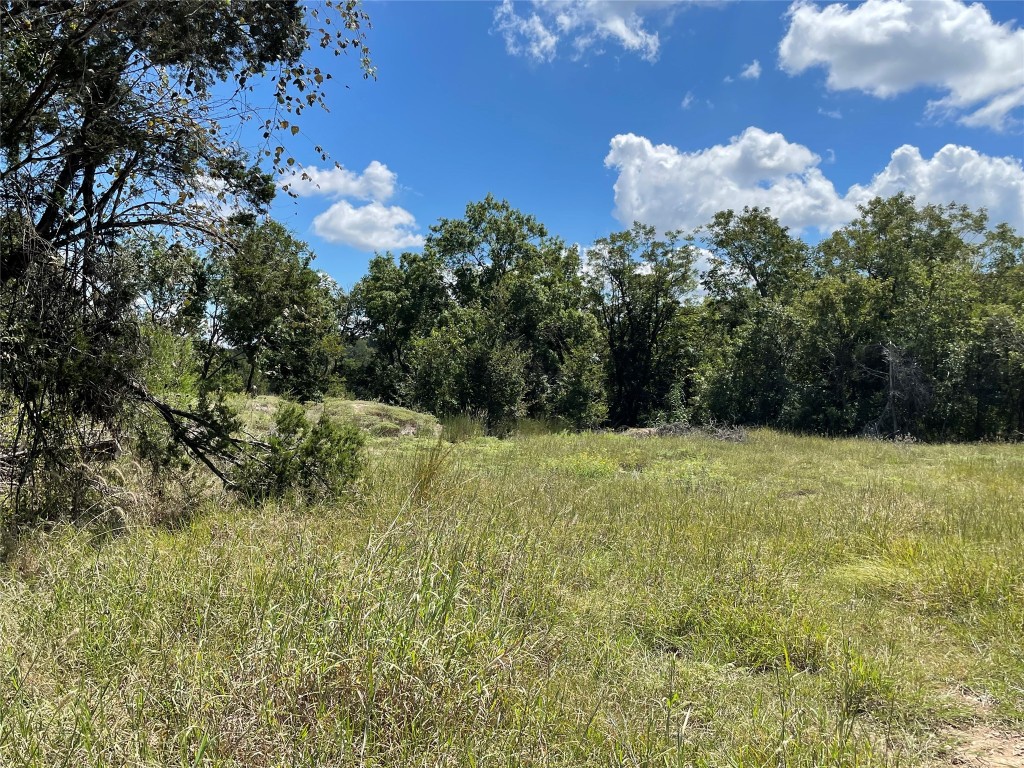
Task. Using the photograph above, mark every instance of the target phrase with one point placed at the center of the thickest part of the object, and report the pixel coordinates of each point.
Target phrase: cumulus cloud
(888, 47)
(752, 71)
(954, 173)
(370, 227)
(661, 185)
(581, 25)
(376, 182)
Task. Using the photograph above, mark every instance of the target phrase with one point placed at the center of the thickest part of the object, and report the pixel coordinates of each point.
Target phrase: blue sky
(590, 115)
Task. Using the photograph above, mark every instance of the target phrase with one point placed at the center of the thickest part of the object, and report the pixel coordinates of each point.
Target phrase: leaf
(295, 129)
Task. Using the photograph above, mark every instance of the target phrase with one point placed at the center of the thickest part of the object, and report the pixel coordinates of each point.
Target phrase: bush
(316, 461)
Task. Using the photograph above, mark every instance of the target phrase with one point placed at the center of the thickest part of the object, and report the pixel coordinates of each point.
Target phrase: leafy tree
(1001, 267)
(750, 380)
(490, 241)
(395, 304)
(462, 367)
(755, 269)
(835, 386)
(277, 311)
(919, 265)
(992, 405)
(637, 284)
(491, 318)
(529, 284)
(111, 124)
(752, 253)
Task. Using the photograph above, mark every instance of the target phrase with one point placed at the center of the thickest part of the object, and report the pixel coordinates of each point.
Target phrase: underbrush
(550, 600)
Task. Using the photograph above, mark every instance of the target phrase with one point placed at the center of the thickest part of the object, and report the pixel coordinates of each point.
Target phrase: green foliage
(393, 305)
(891, 330)
(637, 284)
(491, 318)
(888, 327)
(112, 128)
(579, 395)
(752, 255)
(751, 380)
(277, 311)
(69, 362)
(317, 461)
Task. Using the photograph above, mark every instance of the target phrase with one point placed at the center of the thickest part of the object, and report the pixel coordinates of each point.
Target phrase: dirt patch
(982, 746)
(979, 745)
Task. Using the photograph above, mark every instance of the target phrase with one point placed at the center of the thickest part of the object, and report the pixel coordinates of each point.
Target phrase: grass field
(562, 600)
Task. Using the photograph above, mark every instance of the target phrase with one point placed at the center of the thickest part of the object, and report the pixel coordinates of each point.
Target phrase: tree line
(907, 321)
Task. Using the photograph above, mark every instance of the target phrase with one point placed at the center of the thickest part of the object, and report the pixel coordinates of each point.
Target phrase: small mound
(383, 420)
(377, 419)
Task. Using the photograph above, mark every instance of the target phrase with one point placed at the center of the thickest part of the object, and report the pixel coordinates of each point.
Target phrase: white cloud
(687, 100)
(887, 47)
(370, 227)
(663, 186)
(376, 182)
(752, 71)
(581, 24)
(835, 114)
(525, 35)
(954, 173)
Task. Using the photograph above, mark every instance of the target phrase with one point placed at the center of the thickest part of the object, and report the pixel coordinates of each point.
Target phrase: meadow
(600, 599)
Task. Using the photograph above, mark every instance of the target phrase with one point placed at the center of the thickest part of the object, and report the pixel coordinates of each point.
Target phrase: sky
(592, 115)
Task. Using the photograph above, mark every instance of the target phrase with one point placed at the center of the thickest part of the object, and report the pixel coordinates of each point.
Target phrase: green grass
(541, 601)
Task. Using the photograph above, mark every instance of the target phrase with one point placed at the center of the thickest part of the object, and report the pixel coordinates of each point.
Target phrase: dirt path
(982, 746)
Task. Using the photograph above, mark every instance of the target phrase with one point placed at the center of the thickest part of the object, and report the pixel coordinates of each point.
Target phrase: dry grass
(542, 601)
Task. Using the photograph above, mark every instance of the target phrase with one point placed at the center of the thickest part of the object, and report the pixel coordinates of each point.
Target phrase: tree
(110, 124)
(637, 284)
(750, 379)
(392, 306)
(909, 275)
(752, 252)
(514, 294)
(277, 311)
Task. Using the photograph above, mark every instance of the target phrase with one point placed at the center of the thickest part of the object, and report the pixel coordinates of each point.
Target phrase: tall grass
(549, 600)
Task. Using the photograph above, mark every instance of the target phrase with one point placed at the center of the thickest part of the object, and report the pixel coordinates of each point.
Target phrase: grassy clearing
(542, 601)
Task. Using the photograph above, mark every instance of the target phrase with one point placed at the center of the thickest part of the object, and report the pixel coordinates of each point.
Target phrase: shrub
(318, 460)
